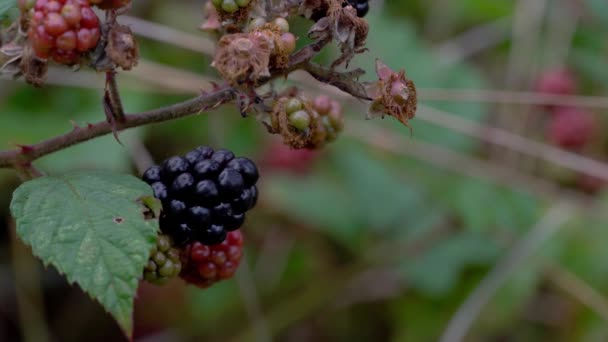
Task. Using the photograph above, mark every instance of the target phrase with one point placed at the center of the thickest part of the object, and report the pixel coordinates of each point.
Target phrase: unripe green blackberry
(164, 262)
(299, 119)
(282, 24)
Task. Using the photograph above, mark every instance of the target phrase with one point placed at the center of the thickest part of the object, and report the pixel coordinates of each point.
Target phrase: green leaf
(5, 6)
(91, 227)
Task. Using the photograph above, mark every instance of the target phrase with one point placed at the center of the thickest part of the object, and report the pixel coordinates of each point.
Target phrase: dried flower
(393, 94)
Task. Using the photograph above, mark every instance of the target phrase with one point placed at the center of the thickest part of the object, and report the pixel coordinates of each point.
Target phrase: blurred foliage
(423, 236)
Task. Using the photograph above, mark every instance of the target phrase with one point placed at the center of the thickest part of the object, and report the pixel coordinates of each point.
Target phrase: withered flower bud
(393, 94)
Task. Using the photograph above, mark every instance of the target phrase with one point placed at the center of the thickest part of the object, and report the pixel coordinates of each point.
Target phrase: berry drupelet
(205, 194)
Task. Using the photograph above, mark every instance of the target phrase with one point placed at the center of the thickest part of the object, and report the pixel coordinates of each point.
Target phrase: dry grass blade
(523, 250)
(514, 142)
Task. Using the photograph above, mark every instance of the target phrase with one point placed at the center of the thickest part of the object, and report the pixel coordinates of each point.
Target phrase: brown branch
(10, 158)
(113, 95)
(25, 154)
(345, 81)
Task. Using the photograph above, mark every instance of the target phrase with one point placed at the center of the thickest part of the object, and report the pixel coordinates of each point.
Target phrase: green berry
(293, 105)
(282, 24)
(151, 266)
(230, 6)
(167, 270)
(217, 3)
(163, 243)
(256, 23)
(300, 120)
(243, 3)
(160, 258)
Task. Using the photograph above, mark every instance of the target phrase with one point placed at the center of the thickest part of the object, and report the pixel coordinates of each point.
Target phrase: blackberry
(164, 262)
(205, 194)
(62, 30)
(206, 265)
(362, 7)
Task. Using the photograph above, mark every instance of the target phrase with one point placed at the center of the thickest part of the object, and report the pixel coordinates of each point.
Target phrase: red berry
(72, 14)
(52, 6)
(558, 82)
(67, 41)
(63, 29)
(54, 24)
(282, 158)
(206, 265)
(87, 39)
(322, 104)
(571, 128)
(589, 184)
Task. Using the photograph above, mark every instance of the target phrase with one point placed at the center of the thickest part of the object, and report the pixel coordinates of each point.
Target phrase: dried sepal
(122, 48)
(393, 94)
(345, 27)
(314, 9)
(245, 58)
(212, 19)
(34, 69)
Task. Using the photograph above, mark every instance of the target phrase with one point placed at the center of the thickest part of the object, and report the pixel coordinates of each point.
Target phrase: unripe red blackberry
(62, 29)
(206, 265)
(205, 194)
(279, 157)
(557, 82)
(571, 128)
(164, 262)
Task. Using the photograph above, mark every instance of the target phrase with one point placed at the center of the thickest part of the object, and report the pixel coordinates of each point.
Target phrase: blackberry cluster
(362, 7)
(205, 194)
(206, 265)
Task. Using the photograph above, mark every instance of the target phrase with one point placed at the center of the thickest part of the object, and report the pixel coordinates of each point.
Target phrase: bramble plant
(106, 232)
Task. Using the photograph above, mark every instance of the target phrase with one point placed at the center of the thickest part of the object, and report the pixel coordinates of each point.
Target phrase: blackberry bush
(191, 206)
(205, 194)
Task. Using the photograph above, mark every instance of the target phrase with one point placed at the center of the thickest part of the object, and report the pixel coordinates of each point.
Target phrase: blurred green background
(385, 235)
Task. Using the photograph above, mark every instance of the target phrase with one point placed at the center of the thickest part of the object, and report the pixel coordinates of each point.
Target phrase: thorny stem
(345, 81)
(25, 154)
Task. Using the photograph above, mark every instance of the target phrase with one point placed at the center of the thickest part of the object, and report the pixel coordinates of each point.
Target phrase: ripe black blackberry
(205, 194)
(362, 7)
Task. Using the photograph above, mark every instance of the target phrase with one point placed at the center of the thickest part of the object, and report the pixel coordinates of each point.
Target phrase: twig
(468, 312)
(514, 142)
(345, 81)
(113, 95)
(80, 134)
(10, 158)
